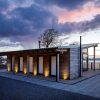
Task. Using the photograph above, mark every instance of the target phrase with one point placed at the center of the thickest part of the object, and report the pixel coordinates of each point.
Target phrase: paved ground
(18, 90)
(89, 87)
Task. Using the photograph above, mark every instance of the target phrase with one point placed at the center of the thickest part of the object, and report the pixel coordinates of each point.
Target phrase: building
(60, 62)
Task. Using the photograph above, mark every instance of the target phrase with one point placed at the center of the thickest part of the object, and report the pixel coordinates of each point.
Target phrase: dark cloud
(33, 20)
(4, 4)
(25, 21)
(70, 4)
(97, 3)
(39, 17)
(81, 26)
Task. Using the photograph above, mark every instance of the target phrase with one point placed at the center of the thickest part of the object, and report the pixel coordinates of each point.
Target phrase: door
(53, 65)
(40, 65)
(30, 64)
(21, 63)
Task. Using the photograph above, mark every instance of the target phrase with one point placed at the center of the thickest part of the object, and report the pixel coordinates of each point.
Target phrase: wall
(74, 62)
(9, 63)
(64, 65)
(46, 63)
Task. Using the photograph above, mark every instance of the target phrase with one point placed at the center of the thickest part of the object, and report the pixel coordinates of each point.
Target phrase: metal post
(91, 65)
(39, 44)
(13, 58)
(87, 60)
(94, 58)
(57, 73)
(27, 65)
(80, 56)
(82, 63)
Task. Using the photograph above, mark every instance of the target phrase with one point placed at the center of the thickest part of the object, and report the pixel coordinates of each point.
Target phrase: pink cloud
(85, 13)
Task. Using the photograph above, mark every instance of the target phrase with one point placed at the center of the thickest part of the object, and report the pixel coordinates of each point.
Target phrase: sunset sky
(22, 21)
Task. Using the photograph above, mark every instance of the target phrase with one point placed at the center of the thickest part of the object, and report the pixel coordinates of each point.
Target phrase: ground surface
(17, 90)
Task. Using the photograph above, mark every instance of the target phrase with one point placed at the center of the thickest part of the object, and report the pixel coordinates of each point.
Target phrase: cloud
(23, 20)
(26, 20)
(69, 4)
(4, 4)
(81, 26)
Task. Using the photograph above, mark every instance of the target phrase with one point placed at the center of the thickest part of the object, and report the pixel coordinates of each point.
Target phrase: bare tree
(48, 37)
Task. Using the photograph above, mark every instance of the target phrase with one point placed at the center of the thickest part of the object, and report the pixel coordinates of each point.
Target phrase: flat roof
(51, 48)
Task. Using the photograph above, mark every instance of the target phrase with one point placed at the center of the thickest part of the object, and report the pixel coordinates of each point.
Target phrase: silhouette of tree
(48, 37)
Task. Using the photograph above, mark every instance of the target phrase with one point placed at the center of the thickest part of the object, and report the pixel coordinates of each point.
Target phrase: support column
(82, 62)
(27, 64)
(13, 60)
(57, 70)
(80, 69)
(94, 58)
(87, 60)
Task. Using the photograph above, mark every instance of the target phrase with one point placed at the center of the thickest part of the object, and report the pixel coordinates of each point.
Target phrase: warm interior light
(65, 75)
(25, 70)
(46, 74)
(16, 68)
(35, 72)
(8, 67)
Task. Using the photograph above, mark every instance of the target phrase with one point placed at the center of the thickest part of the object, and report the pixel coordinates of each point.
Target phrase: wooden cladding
(45, 64)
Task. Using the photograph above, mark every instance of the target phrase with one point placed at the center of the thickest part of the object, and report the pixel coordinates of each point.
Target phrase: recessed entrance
(40, 70)
(53, 65)
(31, 64)
(21, 63)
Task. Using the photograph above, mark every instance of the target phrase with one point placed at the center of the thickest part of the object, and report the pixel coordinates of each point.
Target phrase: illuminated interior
(46, 73)
(8, 67)
(35, 72)
(65, 75)
(25, 70)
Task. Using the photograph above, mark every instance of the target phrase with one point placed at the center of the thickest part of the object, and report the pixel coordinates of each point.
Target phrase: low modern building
(60, 62)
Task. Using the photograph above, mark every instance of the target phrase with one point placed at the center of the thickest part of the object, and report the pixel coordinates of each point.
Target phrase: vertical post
(94, 58)
(99, 65)
(82, 63)
(91, 65)
(27, 67)
(80, 56)
(39, 44)
(57, 73)
(87, 60)
(13, 58)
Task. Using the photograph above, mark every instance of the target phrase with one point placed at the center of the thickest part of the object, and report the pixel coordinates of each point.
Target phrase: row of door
(40, 65)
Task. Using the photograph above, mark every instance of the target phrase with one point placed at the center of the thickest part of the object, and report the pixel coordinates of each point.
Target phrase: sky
(22, 21)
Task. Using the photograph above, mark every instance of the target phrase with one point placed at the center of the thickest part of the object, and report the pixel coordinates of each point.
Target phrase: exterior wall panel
(64, 65)
(21, 63)
(9, 63)
(53, 65)
(46, 65)
(31, 64)
(74, 62)
(40, 66)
